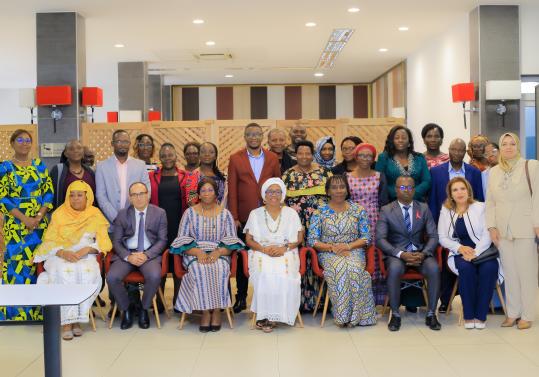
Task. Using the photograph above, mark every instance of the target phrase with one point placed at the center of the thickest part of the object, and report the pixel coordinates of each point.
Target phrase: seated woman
(340, 232)
(77, 233)
(206, 238)
(273, 233)
(462, 229)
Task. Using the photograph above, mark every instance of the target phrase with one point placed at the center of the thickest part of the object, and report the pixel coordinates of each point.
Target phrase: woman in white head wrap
(273, 233)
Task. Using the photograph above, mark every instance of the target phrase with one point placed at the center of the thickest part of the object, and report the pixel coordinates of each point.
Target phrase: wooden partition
(228, 134)
(6, 152)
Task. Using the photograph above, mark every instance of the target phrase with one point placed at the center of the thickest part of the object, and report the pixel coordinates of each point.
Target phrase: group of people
(272, 202)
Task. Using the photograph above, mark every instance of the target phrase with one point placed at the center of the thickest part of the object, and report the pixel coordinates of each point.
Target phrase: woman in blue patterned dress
(206, 238)
(340, 233)
(26, 195)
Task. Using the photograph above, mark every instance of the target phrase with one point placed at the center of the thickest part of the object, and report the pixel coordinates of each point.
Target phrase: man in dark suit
(441, 175)
(277, 144)
(139, 238)
(248, 169)
(406, 234)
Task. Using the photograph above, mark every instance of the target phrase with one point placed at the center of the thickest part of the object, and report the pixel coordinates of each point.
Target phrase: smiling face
(459, 193)
(337, 190)
(145, 148)
(168, 157)
(22, 144)
(277, 141)
(121, 143)
(298, 133)
(401, 141)
(508, 148)
(347, 150)
(207, 154)
(77, 200)
(207, 194)
(327, 151)
(364, 158)
(405, 187)
(477, 148)
(138, 196)
(457, 151)
(304, 156)
(433, 139)
(192, 155)
(491, 154)
(253, 137)
(74, 151)
(273, 195)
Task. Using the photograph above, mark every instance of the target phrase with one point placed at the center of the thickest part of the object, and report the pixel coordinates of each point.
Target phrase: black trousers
(242, 282)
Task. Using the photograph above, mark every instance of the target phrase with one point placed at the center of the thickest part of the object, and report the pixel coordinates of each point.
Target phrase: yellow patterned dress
(27, 188)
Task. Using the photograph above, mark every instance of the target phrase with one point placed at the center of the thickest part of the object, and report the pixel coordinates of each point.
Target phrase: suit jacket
(108, 184)
(392, 235)
(241, 177)
(155, 226)
(440, 179)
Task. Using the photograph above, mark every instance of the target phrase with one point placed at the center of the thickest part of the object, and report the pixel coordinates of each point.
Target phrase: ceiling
(268, 40)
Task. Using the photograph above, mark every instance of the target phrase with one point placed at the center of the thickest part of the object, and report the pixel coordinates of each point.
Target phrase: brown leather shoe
(524, 325)
(509, 322)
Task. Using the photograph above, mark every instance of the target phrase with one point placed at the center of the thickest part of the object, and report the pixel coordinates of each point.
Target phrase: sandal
(77, 331)
(67, 335)
(265, 325)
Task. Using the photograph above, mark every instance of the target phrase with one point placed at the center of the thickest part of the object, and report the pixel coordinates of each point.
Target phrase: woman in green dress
(26, 194)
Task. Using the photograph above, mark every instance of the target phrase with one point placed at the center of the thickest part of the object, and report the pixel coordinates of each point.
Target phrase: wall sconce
(502, 90)
(54, 96)
(464, 92)
(154, 116)
(92, 97)
(27, 98)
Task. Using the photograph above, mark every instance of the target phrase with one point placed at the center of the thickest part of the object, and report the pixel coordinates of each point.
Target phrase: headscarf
(507, 165)
(318, 149)
(69, 225)
(271, 182)
(365, 146)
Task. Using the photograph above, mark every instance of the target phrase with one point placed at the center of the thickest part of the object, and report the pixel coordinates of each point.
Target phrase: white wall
(431, 70)
(529, 31)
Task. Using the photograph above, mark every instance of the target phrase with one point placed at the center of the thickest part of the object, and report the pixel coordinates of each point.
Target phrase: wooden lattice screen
(6, 152)
(228, 134)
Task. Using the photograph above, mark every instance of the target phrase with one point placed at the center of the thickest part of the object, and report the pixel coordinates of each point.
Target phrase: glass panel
(529, 119)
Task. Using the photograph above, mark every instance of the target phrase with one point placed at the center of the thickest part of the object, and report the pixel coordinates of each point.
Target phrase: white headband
(274, 181)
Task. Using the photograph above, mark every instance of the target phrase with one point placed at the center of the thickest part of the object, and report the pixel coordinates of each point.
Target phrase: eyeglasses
(274, 192)
(144, 145)
(365, 156)
(207, 191)
(24, 140)
(122, 142)
(406, 188)
(138, 194)
(254, 135)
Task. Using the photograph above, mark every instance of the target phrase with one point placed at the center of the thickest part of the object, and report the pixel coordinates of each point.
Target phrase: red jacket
(243, 189)
(188, 187)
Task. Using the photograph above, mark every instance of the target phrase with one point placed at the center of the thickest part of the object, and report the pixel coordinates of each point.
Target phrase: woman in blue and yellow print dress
(26, 195)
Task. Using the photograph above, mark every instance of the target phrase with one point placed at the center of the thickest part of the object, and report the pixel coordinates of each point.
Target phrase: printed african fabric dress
(205, 286)
(26, 188)
(349, 284)
(305, 192)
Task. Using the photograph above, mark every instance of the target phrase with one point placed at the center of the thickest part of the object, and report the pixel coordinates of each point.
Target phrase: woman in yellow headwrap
(76, 234)
(512, 214)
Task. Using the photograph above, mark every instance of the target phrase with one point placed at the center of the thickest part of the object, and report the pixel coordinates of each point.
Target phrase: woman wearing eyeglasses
(144, 149)
(368, 188)
(26, 195)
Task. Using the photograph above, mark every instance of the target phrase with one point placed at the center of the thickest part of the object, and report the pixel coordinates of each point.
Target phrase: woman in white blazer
(462, 230)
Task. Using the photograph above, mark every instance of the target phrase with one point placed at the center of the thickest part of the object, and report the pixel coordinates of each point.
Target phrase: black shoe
(411, 309)
(239, 305)
(432, 322)
(214, 328)
(442, 308)
(394, 323)
(127, 319)
(143, 319)
(204, 328)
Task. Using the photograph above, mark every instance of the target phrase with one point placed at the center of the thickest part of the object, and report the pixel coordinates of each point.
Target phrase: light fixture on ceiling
(210, 43)
(353, 10)
(229, 76)
(337, 40)
(198, 21)
(119, 45)
(310, 24)
(383, 49)
(319, 74)
(404, 28)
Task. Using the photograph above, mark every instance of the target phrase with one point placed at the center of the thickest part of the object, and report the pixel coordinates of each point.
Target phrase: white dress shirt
(132, 243)
(410, 213)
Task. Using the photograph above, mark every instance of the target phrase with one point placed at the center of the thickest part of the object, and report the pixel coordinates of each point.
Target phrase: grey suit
(124, 228)
(108, 184)
(393, 237)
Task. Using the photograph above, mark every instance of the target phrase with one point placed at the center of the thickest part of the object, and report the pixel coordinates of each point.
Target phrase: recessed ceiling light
(383, 50)
(310, 24)
(353, 10)
(198, 21)
(319, 74)
(119, 45)
(210, 43)
(229, 76)
(404, 28)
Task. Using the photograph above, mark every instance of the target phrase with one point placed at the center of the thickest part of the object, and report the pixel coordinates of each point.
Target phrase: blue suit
(439, 181)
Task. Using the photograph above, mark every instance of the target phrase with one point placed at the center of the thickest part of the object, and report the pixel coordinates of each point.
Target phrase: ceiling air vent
(213, 56)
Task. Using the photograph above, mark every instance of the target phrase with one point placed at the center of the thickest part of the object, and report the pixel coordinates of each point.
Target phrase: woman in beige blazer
(513, 221)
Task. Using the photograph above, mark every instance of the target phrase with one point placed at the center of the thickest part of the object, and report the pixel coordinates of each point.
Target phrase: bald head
(457, 151)
(298, 132)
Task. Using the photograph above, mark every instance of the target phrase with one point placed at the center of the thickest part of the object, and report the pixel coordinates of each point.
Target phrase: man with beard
(277, 144)
(298, 133)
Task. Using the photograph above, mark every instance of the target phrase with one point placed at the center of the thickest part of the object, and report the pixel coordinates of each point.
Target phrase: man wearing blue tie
(406, 234)
(139, 239)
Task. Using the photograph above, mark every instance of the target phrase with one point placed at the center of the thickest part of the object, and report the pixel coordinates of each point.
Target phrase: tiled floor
(311, 351)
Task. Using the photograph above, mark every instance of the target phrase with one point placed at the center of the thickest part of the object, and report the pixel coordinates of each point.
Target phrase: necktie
(140, 246)
(408, 223)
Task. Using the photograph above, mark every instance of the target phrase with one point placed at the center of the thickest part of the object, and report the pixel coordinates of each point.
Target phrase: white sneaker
(480, 325)
(469, 325)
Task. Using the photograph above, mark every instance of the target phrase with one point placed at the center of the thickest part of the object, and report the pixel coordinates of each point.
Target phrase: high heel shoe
(524, 325)
(509, 322)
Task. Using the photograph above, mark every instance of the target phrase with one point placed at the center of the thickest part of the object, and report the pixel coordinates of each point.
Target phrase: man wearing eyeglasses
(406, 234)
(139, 239)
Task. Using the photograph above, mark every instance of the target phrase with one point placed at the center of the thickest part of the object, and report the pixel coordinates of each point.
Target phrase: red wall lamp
(464, 92)
(92, 97)
(54, 96)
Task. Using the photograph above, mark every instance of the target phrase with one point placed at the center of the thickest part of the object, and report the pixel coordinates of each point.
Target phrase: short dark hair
(18, 133)
(208, 180)
(251, 125)
(390, 144)
(354, 139)
(404, 177)
(169, 145)
(496, 146)
(338, 178)
(191, 144)
(304, 143)
(118, 132)
(137, 183)
(431, 126)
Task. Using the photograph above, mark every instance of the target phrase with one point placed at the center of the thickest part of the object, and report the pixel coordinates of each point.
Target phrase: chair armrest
(245, 260)
(39, 268)
(164, 263)
(381, 261)
(303, 260)
(108, 260)
(314, 262)
(233, 263)
(439, 258)
(179, 271)
(371, 254)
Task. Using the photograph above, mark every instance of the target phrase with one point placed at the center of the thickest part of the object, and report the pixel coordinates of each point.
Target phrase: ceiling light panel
(337, 41)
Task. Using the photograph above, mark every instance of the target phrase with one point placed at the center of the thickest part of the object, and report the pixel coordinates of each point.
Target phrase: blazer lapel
(112, 168)
(245, 161)
(417, 221)
(397, 211)
(266, 166)
(131, 221)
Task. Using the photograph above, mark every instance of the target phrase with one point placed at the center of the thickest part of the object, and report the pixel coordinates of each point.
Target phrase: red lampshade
(463, 92)
(92, 96)
(154, 115)
(53, 95)
(112, 117)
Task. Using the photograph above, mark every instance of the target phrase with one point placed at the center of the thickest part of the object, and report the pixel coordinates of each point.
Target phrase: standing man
(491, 154)
(298, 133)
(277, 144)
(248, 169)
